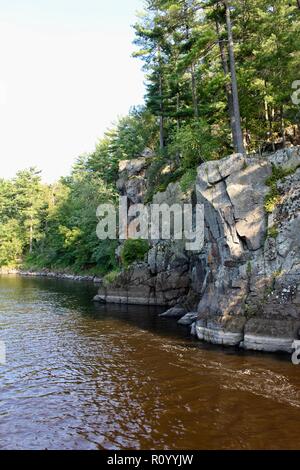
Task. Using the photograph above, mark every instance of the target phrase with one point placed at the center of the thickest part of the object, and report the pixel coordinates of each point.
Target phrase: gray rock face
(288, 159)
(152, 284)
(100, 299)
(269, 335)
(214, 171)
(247, 192)
(131, 182)
(218, 336)
(245, 283)
(252, 297)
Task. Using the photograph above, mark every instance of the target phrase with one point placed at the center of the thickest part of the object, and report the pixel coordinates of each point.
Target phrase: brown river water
(85, 376)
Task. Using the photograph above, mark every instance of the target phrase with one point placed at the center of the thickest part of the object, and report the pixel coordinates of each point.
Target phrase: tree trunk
(282, 127)
(194, 92)
(177, 124)
(298, 3)
(161, 107)
(192, 68)
(269, 122)
(228, 85)
(267, 114)
(161, 116)
(30, 236)
(177, 111)
(235, 94)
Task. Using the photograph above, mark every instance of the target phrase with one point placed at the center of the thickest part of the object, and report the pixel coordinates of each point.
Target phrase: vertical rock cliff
(243, 288)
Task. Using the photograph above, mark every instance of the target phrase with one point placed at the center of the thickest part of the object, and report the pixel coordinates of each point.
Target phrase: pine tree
(238, 135)
(28, 198)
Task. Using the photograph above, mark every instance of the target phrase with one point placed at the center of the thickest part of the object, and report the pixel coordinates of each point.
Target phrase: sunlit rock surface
(245, 283)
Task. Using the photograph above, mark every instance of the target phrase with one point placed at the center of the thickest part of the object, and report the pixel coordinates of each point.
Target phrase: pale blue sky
(66, 73)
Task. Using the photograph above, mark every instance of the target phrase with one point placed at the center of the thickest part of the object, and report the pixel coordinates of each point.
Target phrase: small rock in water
(99, 298)
(174, 312)
(188, 318)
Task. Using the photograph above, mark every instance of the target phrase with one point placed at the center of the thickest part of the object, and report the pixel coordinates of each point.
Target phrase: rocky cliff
(243, 288)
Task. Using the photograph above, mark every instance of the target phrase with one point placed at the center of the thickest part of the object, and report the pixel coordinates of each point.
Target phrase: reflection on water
(82, 376)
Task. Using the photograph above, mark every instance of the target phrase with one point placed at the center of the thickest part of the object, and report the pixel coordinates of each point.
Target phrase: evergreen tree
(219, 76)
(28, 199)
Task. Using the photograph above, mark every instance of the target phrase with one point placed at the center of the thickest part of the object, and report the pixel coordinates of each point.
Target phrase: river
(85, 376)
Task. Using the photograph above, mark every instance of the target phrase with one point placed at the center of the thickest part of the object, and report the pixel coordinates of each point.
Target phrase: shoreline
(215, 336)
(52, 275)
(255, 335)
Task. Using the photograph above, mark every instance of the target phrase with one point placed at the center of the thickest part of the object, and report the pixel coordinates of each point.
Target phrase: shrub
(273, 232)
(273, 198)
(162, 171)
(195, 143)
(104, 256)
(134, 250)
(111, 277)
(188, 180)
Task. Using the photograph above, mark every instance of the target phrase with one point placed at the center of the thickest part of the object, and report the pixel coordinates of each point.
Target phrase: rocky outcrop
(164, 279)
(175, 312)
(188, 319)
(132, 180)
(245, 283)
(252, 297)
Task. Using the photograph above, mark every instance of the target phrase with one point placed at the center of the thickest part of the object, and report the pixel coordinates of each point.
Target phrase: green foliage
(111, 277)
(250, 311)
(272, 200)
(55, 226)
(22, 212)
(10, 243)
(184, 49)
(30, 203)
(272, 232)
(160, 174)
(126, 140)
(277, 274)
(104, 255)
(273, 197)
(70, 237)
(188, 180)
(134, 250)
(249, 268)
(278, 173)
(166, 178)
(186, 120)
(194, 143)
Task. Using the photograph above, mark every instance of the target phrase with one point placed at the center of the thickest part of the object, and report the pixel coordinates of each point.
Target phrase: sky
(66, 74)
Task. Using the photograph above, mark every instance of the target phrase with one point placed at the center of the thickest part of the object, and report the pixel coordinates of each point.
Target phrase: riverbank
(214, 334)
(51, 274)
